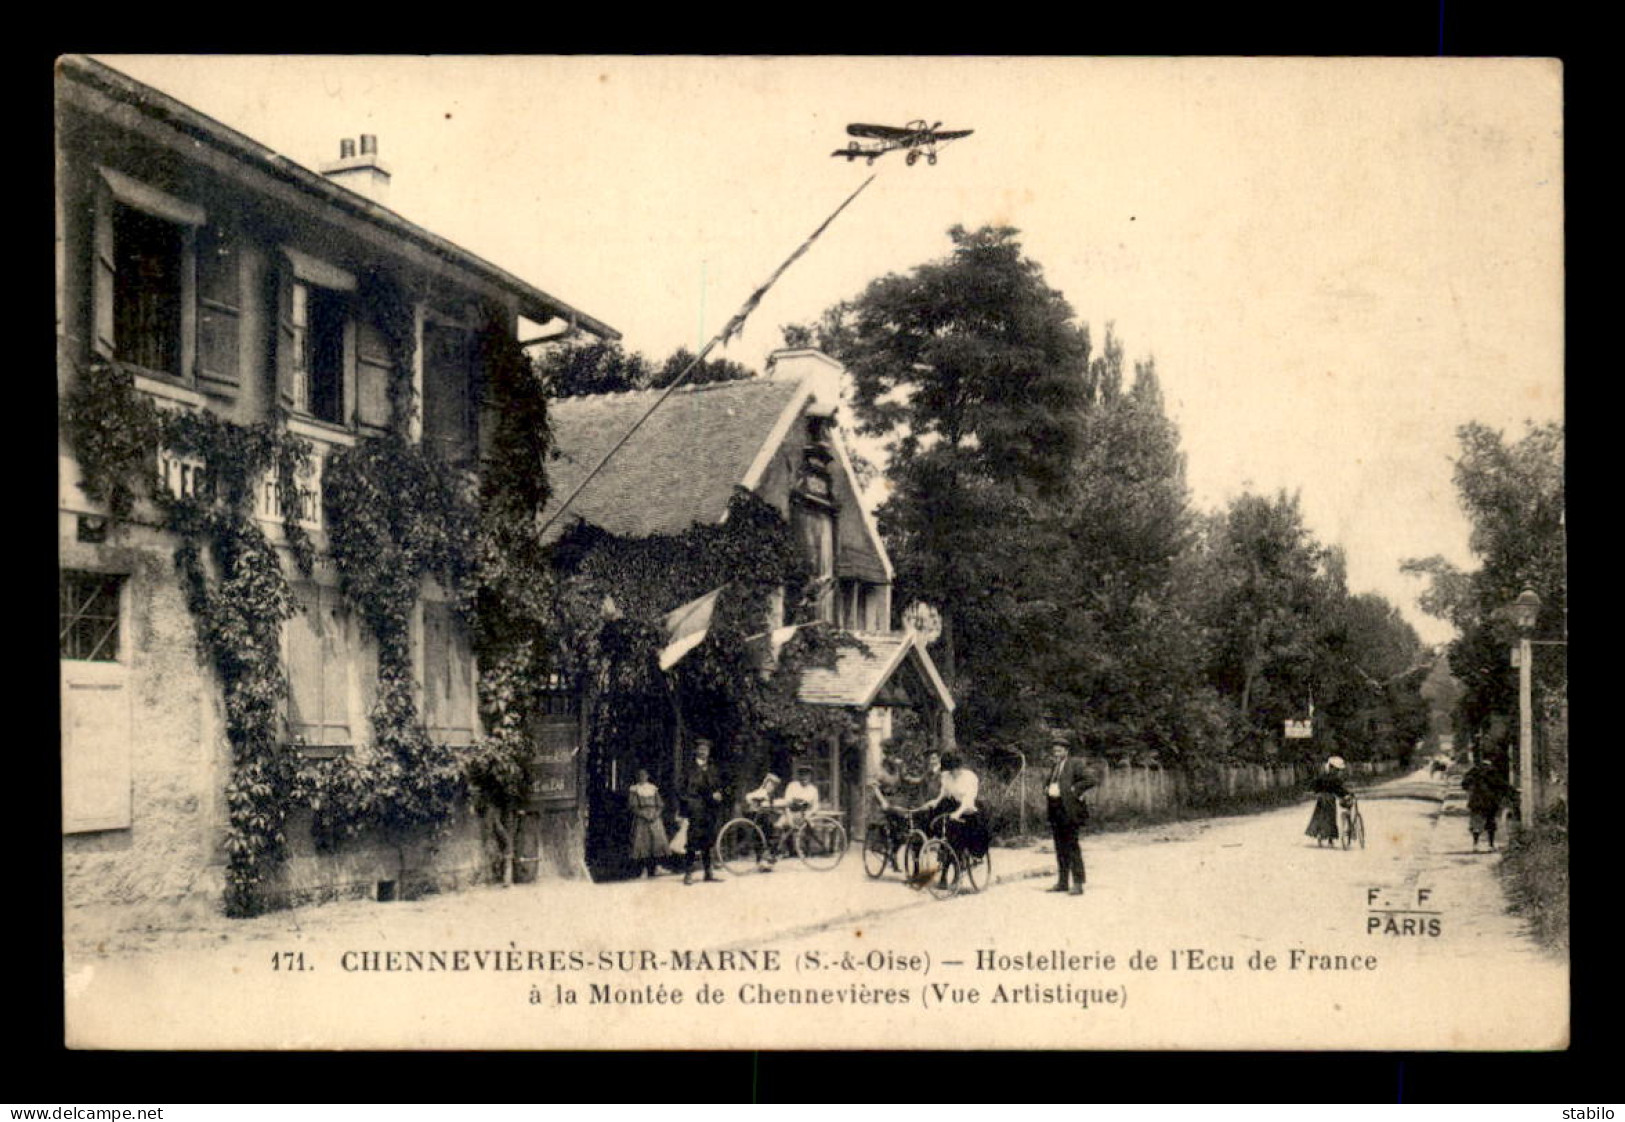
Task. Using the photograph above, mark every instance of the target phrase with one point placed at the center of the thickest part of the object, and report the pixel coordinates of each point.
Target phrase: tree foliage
(1513, 493)
(1038, 497)
(574, 370)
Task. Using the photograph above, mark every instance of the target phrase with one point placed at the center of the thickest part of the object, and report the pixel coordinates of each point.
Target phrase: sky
(1335, 263)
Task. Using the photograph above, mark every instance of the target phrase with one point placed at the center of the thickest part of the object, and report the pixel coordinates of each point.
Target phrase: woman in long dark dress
(1328, 787)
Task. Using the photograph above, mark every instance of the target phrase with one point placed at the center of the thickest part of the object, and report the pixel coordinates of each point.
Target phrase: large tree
(972, 370)
(1513, 493)
(1262, 591)
(1124, 654)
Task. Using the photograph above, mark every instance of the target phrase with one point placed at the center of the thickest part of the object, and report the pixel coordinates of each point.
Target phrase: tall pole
(729, 330)
(1526, 733)
(1525, 611)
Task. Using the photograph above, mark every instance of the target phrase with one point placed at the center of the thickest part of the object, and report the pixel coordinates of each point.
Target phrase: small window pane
(89, 616)
(217, 272)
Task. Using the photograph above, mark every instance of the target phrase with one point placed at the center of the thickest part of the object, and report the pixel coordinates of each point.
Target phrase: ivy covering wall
(230, 574)
(586, 610)
(609, 631)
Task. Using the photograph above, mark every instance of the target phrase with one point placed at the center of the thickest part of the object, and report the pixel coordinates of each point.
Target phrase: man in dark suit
(702, 802)
(1069, 777)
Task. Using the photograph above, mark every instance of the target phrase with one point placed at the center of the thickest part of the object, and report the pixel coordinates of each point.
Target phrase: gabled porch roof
(859, 676)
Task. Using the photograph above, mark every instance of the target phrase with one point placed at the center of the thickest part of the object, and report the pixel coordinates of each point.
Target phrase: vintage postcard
(827, 553)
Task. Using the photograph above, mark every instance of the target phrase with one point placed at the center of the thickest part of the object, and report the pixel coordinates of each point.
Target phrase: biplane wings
(879, 132)
(918, 133)
(917, 138)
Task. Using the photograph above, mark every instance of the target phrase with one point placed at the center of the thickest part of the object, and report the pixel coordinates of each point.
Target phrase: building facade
(777, 438)
(220, 279)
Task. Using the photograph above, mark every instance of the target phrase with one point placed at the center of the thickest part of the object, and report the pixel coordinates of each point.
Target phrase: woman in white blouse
(964, 825)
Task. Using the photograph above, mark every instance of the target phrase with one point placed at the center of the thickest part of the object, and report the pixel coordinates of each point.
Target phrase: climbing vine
(743, 695)
(396, 514)
(587, 609)
(512, 592)
(230, 575)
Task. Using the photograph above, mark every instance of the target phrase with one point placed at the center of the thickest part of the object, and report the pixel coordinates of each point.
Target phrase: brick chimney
(359, 169)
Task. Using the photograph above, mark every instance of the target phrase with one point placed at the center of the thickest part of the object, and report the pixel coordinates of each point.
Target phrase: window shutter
(302, 658)
(97, 734)
(373, 367)
(218, 309)
(103, 271)
(284, 337)
(337, 642)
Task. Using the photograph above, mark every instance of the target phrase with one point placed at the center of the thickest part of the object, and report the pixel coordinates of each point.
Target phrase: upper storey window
(318, 318)
(449, 356)
(316, 341)
(166, 285)
(148, 289)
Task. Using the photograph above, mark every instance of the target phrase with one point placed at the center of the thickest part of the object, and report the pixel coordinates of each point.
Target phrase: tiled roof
(679, 468)
(859, 674)
(201, 127)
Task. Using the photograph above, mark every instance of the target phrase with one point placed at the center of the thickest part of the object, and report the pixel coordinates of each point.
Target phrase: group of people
(946, 793)
(703, 801)
(1485, 784)
(954, 789)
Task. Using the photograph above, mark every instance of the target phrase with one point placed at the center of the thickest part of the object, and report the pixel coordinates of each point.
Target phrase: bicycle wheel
(740, 845)
(979, 871)
(912, 845)
(821, 843)
(877, 850)
(1357, 828)
(939, 869)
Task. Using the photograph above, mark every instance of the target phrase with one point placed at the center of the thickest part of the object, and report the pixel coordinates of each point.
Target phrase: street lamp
(1525, 610)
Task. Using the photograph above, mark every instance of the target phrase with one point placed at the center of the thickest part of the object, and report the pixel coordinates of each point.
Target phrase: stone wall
(168, 863)
(170, 853)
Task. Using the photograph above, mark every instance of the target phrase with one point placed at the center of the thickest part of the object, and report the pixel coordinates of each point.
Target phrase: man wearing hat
(702, 803)
(1069, 778)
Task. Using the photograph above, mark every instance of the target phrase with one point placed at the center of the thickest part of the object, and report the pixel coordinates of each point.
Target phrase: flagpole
(730, 329)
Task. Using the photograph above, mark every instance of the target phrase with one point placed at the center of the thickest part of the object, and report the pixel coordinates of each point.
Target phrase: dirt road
(1232, 933)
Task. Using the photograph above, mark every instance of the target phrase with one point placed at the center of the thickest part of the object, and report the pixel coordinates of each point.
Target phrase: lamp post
(1525, 610)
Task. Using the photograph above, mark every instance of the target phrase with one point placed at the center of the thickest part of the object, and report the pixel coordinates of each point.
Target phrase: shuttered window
(448, 676)
(328, 665)
(219, 292)
(448, 382)
(148, 257)
(144, 283)
(372, 372)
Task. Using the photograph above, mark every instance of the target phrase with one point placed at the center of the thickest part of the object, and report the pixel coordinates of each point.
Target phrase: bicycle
(942, 865)
(885, 846)
(1351, 824)
(819, 840)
